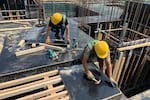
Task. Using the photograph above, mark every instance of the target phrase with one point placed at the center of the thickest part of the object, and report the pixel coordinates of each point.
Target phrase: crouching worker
(58, 23)
(100, 50)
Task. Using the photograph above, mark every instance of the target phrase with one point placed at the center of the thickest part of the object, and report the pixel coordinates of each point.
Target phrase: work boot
(57, 36)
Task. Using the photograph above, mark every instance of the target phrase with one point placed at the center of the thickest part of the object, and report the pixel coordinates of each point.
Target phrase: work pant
(57, 31)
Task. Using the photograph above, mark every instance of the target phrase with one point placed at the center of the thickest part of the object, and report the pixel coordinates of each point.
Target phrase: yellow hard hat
(56, 18)
(102, 49)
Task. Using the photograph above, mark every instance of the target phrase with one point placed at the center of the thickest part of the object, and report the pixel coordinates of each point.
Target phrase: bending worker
(58, 22)
(100, 50)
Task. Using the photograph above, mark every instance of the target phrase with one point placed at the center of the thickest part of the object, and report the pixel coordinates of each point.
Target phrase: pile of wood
(44, 86)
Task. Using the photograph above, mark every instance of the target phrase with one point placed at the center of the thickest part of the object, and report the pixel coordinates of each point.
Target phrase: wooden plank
(28, 84)
(20, 20)
(1, 47)
(120, 68)
(27, 79)
(65, 98)
(126, 66)
(142, 34)
(134, 46)
(116, 68)
(58, 95)
(50, 86)
(100, 35)
(29, 51)
(141, 66)
(12, 10)
(14, 29)
(42, 93)
(52, 47)
(128, 72)
(21, 43)
(28, 89)
(18, 15)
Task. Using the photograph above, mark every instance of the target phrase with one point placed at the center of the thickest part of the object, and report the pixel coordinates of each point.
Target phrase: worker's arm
(85, 65)
(48, 38)
(109, 69)
(68, 33)
(84, 59)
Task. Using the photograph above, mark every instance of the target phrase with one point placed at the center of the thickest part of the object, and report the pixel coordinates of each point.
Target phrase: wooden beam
(120, 68)
(52, 47)
(100, 35)
(134, 46)
(142, 34)
(42, 93)
(125, 68)
(14, 29)
(20, 20)
(58, 95)
(117, 66)
(28, 84)
(29, 51)
(21, 43)
(27, 79)
(111, 30)
(28, 89)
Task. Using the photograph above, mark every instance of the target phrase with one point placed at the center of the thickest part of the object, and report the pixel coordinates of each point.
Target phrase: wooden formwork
(44, 86)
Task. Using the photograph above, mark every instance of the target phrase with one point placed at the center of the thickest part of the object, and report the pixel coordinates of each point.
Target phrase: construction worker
(58, 22)
(99, 50)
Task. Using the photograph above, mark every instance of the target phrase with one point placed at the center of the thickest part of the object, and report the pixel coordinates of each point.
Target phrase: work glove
(90, 75)
(113, 83)
(112, 80)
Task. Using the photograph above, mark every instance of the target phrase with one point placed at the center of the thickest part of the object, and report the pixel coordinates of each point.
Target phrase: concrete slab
(80, 88)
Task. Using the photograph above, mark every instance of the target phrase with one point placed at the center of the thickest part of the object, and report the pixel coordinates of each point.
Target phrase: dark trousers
(58, 30)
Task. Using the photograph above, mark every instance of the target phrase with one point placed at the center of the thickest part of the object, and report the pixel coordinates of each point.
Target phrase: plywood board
(80, 88)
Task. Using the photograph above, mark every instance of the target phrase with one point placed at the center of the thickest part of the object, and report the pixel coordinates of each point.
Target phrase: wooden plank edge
(29, 84)
(27, 79)
(28, 89)
(29, 51)
(43, 93)
(58, 95)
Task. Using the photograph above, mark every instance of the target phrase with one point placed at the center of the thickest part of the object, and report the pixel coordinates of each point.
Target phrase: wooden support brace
(100, 35)
(18, 15)
(29, 51)
(116, 69)
(134, 46)
(120, 69)
(142, 34)
(52, 47)
(50, 86)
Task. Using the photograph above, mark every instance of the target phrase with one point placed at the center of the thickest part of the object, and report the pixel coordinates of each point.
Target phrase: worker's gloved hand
(112, 80)
(90, 75)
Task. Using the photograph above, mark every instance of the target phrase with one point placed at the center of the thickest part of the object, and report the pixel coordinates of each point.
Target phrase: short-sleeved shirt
(90, 53)
(64, 22)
